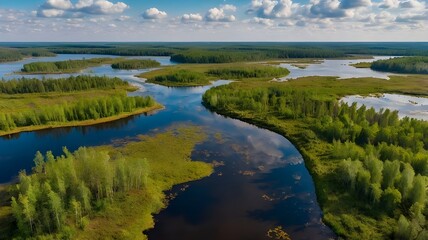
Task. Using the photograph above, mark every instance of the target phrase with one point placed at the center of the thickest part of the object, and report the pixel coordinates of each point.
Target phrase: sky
(213, 20)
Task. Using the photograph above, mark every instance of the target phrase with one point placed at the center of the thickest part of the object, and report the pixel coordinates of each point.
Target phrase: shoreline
(92, 122)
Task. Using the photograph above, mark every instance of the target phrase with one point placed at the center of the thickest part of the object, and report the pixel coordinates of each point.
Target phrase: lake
(407, 106)
(339, 68)
(262, 184)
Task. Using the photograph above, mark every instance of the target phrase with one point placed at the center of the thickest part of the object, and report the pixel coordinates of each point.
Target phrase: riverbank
(146, 110)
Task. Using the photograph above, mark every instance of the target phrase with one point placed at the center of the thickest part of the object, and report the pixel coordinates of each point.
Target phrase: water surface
(407, 106)
(336, 68)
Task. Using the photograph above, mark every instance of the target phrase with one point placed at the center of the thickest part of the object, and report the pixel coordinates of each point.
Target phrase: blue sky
(214, 20)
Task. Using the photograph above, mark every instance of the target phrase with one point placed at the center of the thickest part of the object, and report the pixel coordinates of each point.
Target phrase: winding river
(262, 181)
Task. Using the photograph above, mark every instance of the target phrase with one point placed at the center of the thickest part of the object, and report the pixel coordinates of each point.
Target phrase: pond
(407, 106)
(336, 68)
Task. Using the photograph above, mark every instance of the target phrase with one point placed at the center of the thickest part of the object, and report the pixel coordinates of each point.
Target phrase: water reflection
(413, 107)
(336, 68)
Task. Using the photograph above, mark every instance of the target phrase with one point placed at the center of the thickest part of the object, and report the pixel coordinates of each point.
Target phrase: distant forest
(417, 65)
(217, 52)
(70, 84)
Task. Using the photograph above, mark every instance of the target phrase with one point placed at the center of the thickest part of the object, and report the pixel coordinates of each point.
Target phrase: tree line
(248, 72)
(384, 159)
(180, 77)
(16, 54)
(69, 189)
(84, 109)
(415, 65)
(70, 84)
(64, 66)
(248, 54)
(135, 64)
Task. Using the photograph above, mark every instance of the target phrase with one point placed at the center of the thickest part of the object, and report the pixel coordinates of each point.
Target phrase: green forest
(84, 109)
(415, 65)
(135, 64)
(216, 52)
(68, 66)
(180, 78)
(248, 72)
(201, 74)
(29, 104)
(370, 168)
(70, 84)
(116, 189)
(17, 54)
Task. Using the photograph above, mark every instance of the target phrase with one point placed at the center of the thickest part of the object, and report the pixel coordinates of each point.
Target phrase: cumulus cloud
(65, 8)
(154, 13)
(272, 9)
(220, 14)
(263, 21)
(50, 13)
(328, 9)
(229, 7)
(389, 4)
(123, 18)
(101, 7)
(57, 4)
(412, 4)
(191, 17)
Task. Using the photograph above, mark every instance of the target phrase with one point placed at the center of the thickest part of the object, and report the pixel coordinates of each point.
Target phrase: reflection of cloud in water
(295, 160)
(414, 107)
(267, 147)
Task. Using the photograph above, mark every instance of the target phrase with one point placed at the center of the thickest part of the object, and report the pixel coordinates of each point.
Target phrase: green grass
(361, 65)
(343, 212)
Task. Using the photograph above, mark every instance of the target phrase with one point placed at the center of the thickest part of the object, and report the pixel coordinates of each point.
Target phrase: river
(262, 184)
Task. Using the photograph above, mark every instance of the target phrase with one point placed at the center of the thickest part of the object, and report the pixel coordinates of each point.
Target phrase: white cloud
(412, 4)
(154, 13)
(229, 7)
(65, 8)
(220, 15)
(263, 21)
(328, 9)
(389, 4)
(101, 7)
(84, 3)
(50, 13)
(57, 4)
(272, 8)
(123, 18)
(191, 17)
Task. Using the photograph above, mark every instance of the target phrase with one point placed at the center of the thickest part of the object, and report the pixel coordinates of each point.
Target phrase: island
(192, 75)
(33, 104)
(132, 64)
